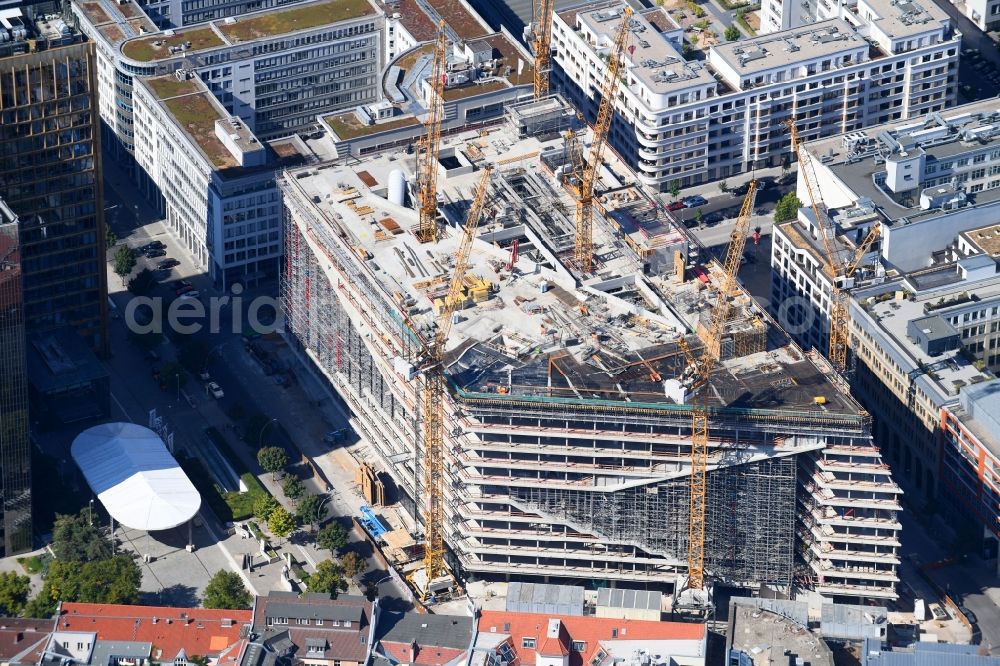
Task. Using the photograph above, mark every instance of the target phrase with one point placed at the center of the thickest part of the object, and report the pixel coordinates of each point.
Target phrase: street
(189, 409)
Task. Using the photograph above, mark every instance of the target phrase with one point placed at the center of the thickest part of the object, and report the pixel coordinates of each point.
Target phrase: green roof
(145, 49)
(170, 86)
(347, 125)
(301, 17)
(192, 108)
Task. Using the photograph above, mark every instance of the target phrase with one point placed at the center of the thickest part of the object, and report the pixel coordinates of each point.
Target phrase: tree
(74, 539)
(124, 262)
(786, 165)
(332, 537)
(328, 579)
(675, 189)
(310, 509)
(732, 33)
(111, 581)
(110, 237)
(226, 590)
(723, 186)
(13, 593)
(293, 487)
(173, 376)
(787, 208)
(699, 216)
(142, 283)
(264, 506)
(353, 564)
(371, 591)
(281, 523)
(272, 459)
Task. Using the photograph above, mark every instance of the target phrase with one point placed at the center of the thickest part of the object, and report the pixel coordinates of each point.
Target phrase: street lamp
(260, 437)
(90, 512)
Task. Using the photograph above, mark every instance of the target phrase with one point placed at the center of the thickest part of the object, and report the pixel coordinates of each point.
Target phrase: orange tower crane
(434, 393)
(584, 251)
(838, 268)
(430, 142)
(541, 25)
(700, 368)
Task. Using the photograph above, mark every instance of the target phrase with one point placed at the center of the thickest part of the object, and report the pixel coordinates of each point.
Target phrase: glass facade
(50, 176)
(15, 450)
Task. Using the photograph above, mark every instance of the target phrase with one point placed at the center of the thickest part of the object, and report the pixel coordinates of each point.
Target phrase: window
(347, 623)
(319, 623)
(579, 646)
(614, 633)
(528, 642)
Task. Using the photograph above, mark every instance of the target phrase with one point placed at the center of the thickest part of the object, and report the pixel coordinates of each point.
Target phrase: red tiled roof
(424, 655)
(23, 636)
(198, 631)
(342, 643)
(586, 629)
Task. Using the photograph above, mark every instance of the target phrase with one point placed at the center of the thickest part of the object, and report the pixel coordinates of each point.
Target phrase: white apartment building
(218, 184)
(275, 70)
(923, 320)
(693, 121)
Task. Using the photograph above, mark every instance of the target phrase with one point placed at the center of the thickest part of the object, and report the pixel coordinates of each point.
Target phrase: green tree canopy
(353, 564)
(124, 262)
(14, 590)
(732, 33)
(328, 579)
(112, 581)
(332, 537)
(787, 208)
(272, 459)
(675, 189)
(142, 283)
(110, 237)
(264, 506)
(293, 487)
(74, 539)
(281, 523)
(226, 590)
(310, 510)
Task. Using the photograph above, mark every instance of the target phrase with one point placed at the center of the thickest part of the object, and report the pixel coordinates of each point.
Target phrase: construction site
(566, 431)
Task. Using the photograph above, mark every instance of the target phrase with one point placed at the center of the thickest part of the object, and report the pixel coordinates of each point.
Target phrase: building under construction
(567, 430)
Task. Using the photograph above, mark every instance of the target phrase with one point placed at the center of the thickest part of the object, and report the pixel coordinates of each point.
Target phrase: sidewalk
(709, 190)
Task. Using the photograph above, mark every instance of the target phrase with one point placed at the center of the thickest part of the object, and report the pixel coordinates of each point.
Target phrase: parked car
(168, 263)
(183, 288)
(713, 218)
(153, 253)
(677, 205)
(215, 390)
(154, 245)
(695, 201)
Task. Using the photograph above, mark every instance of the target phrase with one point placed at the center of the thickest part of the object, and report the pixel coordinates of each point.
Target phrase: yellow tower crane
(430, 142)
(699, 369)
(584, 251)
(434, 393)
(541, 25)
(838, 268)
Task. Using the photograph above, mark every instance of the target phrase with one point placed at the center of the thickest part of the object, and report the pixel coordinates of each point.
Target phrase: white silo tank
(397, 187)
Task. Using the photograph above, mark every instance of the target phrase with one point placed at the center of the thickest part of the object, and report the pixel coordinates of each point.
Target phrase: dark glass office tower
(15, 449)
(50, 176)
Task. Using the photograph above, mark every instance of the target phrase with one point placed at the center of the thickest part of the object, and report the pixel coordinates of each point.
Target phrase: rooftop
(195, 111)
(22, 640)
(538, 336)
(786, 47)
(195, 631)
(235, 30)
(979, 411)
(464, 23)
(347, 126)
(422, 639)
(767, 637)
(904, 18)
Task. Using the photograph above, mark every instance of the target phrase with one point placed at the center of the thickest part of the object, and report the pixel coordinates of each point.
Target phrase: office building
(50, 176)
(692, 120)
(15, 447)
(275, 70)
(216, 179)
(924, 300)
(567, 450)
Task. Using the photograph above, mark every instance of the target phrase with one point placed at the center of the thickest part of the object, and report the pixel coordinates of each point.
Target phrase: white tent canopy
(135, 477)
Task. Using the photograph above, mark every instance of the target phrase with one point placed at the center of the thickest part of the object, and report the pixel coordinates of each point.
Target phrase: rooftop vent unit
(749, 53)
(828, 35)
(635, 25)
(790, 45)
(652, 64)
(607, 15)
(665, 76)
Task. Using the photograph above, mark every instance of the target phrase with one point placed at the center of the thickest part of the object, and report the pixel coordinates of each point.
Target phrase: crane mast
(542, 27)
(584, 251)
(700, 369)
(838, 269)
(434, 392)
(430, 142)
